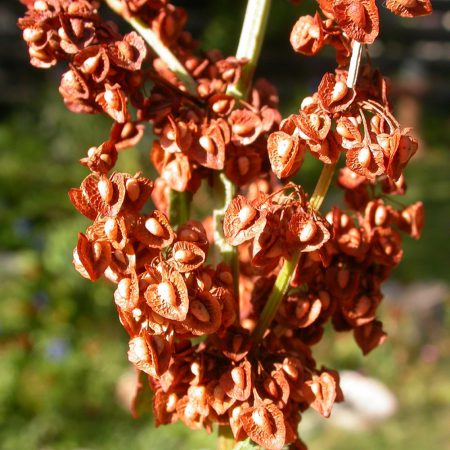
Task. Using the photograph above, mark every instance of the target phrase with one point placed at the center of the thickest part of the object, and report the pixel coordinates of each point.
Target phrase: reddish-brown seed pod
(369, 336)
(243, 164)
(128, 53)
(169, 298)
(359, 20)
(366, 160)
(312, 232)
(165, 407)
(91, 258)
(320, 393)
(101, 159)
(126, 296)
(410, 8)
(245, 125)
(138, 190)
(187, 256)
(307, 311)
(228, 305)
(286, 153)
(242, 221)
(237, 381)
(154, 230)
(81, 202)
(93, 61)
(127, 134)
(307, 36)
(411, 219)
(217, 398)
(334, 95)
(113, 102)
(314, 126)
(204, 315)
(348, 132)
(194, 232)
(265, 425)
(151, 354)
(123, 261)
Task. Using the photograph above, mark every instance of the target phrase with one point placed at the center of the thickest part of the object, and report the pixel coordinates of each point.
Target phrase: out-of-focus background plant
(65, 382)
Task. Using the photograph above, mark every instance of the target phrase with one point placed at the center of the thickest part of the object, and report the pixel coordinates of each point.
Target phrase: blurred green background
(64, 376)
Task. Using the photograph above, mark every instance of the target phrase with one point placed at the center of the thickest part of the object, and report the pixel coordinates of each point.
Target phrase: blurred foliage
(64, 370)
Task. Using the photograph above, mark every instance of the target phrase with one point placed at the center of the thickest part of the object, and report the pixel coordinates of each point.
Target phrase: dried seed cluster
(167, 293)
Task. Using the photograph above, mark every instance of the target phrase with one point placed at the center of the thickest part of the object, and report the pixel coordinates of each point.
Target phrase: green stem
(284, 276)
(158, 47)
(179, 207)
(250, 43)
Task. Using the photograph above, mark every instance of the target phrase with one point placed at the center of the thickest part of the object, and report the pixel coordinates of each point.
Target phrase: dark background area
(64, 376)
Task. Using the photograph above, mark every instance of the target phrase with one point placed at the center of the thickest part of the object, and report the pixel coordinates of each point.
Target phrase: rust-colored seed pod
(409, 8)
(154, 230)
(320, 393)
(187, 256)
(237, 381)
(169, 298)
(369, 336)
(265, 425)
(91, 258)
(286, 153)
(204, 315)
(105, 190)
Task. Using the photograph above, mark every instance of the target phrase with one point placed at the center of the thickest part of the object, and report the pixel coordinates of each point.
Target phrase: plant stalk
(250, 44)
(284, 276)
(158, 47)
(179, 207)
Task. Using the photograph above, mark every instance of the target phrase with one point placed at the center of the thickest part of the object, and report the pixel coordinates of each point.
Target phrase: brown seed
(105, 189)
(133, 189)
(97, 251)
(362, 305)
(33, 34)
(184, 256)
(238, 377)
(125, 49)
(271, 387)
(207, 144)
(364, 157)
(124, 287)
(171, 404)
(339, 91)
(246, 215)
(105, 158)
(167, 293)
(112, 99)
(154, 227)
(199, 311)
(242, 129)
(243, 164)
(284, 147)
(198, 393)
(301, 309)
(290, 370)
(189, 411)
(260, 418)
(220, 106)
(325, 299)
(195, 368)
(314, 31)
(343, 131)
(111, 229)
(226, 277)
(189, 235)
(380, 215)
(219, 393)
(308, 231)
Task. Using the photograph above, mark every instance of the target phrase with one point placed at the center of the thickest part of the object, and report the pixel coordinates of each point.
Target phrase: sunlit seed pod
(203, 91)
(154, 227)
(343, 278)
(91, 151)
(199, 311)
(62, 34)
(339, 91)
(243, 164)
(284, 147)
(112, 99)
(290, 370)
(127, 130)
(242, 129)
(204, 281)
(140, 348)
(220, 106)
(236, 413)
(195, 368)
(207, 144)
(137, 314)
(315, 388)
(301, 309)
(364, 157)
(171, 404)
(190, 411)
(406, 216)
(40, 5)
(125, 49)
(97, 250)
(199, 393)
(111, 229)
(246, 215)
(133, 189)
(184, 256)
(307, 101)
(32, 35)
(105, 189)
(124, 287)
(120, 257)
(238, 377)
(375, 122)
(90, 65)
(380, 215)
(167, 293)
(182, 128)
(344, 221)
(314, 119)
(259, 416)
(343, 131)
(38, 54)
(314, 31)
(308, 231)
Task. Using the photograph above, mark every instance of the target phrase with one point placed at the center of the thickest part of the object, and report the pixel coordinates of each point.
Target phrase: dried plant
(222, 314)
